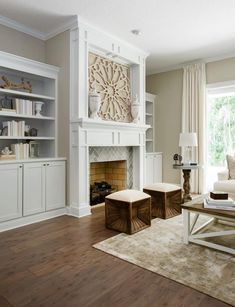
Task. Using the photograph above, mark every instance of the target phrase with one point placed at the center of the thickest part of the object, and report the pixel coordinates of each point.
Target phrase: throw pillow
(231, 166)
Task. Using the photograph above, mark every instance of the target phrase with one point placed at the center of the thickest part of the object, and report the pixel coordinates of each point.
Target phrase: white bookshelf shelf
(27, 116)
(27, 138)
(149, 120)
(44, 81)
(20, 94)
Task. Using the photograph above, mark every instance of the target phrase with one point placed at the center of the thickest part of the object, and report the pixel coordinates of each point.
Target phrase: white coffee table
(191, 234)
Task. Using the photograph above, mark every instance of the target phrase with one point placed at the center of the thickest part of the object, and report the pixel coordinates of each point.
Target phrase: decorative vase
(94, 104)
(135, 109)
(38, 108)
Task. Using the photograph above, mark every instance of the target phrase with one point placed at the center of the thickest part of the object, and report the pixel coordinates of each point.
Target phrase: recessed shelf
(27, 138)
(25, 95)
(27, 116)
(148, 114)
(149, 140)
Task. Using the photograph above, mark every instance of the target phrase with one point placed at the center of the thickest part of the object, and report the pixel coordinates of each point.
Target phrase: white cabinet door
(34, 188)
(55, 185)
(10, 191)
(153, 168)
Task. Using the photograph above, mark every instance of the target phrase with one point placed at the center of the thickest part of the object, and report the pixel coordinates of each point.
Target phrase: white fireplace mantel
(89, 123)
(110, 133)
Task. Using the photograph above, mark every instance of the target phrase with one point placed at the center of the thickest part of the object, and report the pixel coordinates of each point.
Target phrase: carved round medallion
(112, 82)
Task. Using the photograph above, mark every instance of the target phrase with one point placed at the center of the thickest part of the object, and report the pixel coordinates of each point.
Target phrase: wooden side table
(186, 169)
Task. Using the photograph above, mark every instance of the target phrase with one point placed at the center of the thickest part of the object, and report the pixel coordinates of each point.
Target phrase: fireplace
(106, 178)
(103, 141)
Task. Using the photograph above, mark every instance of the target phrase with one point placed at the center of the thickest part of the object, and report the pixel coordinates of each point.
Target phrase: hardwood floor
(52, 263)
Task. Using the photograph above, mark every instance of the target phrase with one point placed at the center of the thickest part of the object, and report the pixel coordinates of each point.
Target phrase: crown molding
(165, 69)
(35, 33)
(203, 60)
(70, 24)
(21, 28)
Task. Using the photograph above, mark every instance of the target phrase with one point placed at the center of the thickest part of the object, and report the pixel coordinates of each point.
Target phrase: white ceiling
(173, 31)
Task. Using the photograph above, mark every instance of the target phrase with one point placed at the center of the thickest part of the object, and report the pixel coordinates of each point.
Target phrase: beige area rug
(160, 249)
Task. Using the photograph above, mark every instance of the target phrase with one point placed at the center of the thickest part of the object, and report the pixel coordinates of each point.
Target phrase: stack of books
(14, 128)
(21, 151)
(219, 204)
(24, 107)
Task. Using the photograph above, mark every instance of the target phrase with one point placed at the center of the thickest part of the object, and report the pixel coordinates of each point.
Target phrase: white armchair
(225, 184)
(223, 175)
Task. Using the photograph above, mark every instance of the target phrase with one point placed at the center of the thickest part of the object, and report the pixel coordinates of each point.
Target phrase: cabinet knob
(20, 166)
(48, 164)
(44, 164)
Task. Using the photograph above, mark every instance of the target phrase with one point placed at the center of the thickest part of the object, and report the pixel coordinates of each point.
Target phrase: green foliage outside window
(221, 132)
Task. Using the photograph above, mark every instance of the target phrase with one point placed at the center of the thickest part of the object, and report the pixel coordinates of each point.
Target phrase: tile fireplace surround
(112, 155)
(93, 139)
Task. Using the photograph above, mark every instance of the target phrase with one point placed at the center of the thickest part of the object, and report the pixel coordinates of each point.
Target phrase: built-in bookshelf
(20, 122)
(149, 120)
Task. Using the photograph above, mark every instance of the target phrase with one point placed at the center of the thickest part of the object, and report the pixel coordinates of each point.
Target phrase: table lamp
(188, 140)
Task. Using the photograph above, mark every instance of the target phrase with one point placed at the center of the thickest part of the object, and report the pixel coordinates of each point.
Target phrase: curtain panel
(193, 117)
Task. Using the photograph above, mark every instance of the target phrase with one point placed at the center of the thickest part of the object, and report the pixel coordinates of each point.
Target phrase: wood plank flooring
(52, 263)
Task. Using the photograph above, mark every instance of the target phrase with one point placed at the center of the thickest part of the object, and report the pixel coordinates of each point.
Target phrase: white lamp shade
(188, 139)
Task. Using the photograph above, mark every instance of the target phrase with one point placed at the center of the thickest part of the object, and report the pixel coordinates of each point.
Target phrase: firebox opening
(106, 178)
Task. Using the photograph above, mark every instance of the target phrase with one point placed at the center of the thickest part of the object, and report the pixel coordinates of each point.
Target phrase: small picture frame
(33, 149)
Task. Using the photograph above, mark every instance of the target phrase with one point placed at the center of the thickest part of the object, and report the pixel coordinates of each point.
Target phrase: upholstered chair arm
(223, 175)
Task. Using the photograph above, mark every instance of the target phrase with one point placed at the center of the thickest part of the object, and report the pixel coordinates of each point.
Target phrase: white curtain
(193, 117)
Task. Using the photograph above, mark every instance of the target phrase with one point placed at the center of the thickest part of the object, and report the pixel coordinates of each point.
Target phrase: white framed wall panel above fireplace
(86, 132)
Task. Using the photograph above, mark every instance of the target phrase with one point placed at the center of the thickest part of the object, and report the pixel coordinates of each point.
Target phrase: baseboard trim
(82, 211)
(79, 212)
(27, 220)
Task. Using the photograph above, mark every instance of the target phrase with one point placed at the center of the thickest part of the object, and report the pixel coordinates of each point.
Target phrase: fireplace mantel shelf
(89, 123)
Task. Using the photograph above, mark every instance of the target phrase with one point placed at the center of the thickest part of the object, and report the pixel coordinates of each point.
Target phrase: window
(220, 130)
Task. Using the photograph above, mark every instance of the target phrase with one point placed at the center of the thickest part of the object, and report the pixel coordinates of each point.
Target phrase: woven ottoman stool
(128, 211)
(166, 199)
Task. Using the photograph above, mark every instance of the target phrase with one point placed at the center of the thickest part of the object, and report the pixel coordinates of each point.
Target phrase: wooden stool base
(127, 217)
(165, 204)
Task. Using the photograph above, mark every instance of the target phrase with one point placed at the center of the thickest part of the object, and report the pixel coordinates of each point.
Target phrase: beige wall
(21, 44)
(58, 53)
(220, 71)
(168, 87)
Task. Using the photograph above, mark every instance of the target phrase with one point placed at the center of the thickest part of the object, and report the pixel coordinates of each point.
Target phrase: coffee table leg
(186, 222)
(186, 174)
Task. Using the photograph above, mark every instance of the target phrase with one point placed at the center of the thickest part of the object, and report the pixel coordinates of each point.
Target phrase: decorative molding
(70, 24)
(83, 210)
(112, 81)
(10, 23)
(30, 66)
(88, 123)
(181, 65)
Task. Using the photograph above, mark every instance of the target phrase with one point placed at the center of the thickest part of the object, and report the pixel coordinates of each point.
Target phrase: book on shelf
(24, 106)
(218, 206)
(14, 128)
(21, 150)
